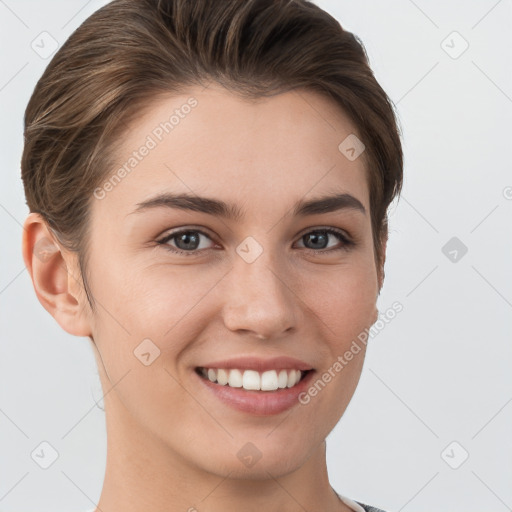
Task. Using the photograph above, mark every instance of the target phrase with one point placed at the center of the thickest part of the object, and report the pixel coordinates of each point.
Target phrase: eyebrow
(302, 208)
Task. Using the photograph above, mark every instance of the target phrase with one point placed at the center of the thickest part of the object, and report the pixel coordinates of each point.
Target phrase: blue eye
(322, 234)
(187, 242)
(188, 239)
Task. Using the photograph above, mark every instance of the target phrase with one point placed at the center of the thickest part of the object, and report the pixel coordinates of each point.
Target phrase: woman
(208, 185)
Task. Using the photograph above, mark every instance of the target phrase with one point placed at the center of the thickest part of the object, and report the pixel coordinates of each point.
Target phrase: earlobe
(54, 279)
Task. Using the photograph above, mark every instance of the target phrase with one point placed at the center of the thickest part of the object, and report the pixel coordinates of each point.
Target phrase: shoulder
(358, 506)
(369, 508)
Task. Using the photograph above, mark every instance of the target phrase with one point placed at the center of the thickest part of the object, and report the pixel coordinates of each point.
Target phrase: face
(179, 288)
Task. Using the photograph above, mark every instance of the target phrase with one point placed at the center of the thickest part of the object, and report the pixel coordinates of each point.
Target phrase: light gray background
(439, 372)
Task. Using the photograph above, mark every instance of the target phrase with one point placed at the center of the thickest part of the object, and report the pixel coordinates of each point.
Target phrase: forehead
(261, 153)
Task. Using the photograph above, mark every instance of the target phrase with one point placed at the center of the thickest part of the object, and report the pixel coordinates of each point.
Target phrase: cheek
(344, 299)
(147, 299)
(146, 320)
(343, 309)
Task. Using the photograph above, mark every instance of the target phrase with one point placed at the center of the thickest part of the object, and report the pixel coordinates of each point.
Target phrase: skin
(171, 444)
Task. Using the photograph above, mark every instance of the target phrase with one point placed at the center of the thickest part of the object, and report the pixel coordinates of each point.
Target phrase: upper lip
(261, 365)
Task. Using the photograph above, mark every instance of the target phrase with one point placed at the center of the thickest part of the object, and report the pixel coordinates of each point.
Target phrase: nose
(259, 299)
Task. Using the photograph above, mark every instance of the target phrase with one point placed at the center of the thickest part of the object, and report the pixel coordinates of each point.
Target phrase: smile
(253, 380)
(242, 389)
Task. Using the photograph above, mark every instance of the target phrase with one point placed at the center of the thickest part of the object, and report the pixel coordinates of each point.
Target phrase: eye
(187, 241)
(319, 237)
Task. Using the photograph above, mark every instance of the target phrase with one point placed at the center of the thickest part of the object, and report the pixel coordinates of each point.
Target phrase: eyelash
(347, 244)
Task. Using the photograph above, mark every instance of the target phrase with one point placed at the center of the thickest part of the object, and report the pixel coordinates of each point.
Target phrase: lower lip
(263, 403)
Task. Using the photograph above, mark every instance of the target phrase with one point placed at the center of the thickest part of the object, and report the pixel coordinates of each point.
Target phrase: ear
(380, 275)
(57, 283)
(380, 269)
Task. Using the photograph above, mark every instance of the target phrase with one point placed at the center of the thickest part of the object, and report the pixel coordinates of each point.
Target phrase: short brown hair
(130, 51)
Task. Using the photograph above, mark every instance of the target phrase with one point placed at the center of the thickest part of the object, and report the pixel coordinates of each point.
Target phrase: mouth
(251, 380)
(255, 384)
(241, 390)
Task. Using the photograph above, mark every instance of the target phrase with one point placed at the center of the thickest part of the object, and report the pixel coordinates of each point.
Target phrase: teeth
(222, 377)
(283, 379)
(292, 380)
(269, 381)
(235, 378)
(253, 380)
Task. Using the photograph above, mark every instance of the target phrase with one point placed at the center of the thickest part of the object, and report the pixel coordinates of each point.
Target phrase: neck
(142, 473)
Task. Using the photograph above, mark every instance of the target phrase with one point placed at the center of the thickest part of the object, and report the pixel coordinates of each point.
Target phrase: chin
(248, 460)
